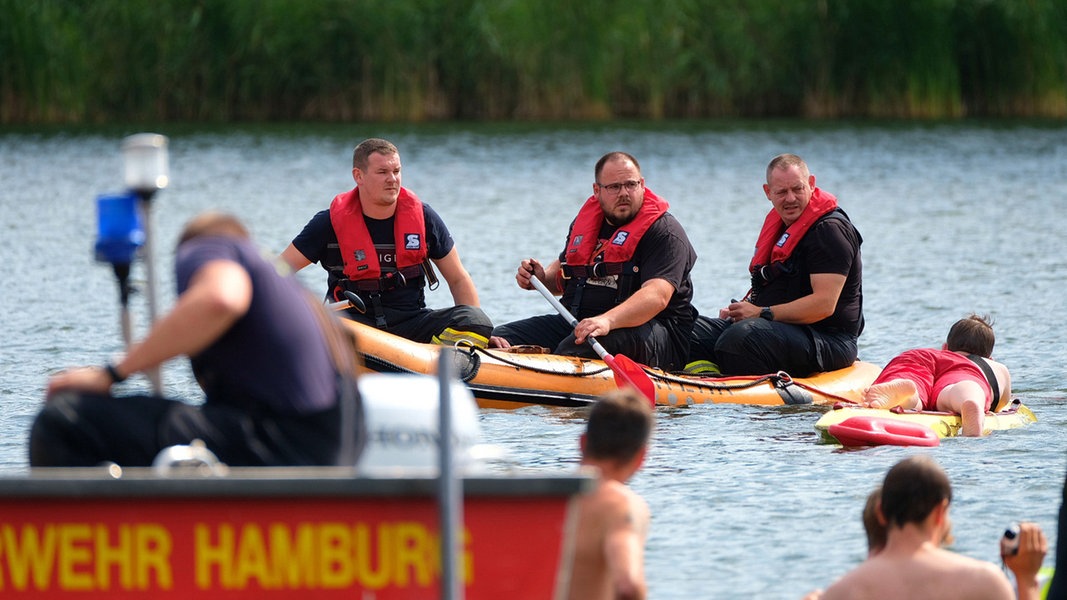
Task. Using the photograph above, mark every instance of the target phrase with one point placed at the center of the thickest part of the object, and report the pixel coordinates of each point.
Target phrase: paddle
(353, 301)
(626, 371)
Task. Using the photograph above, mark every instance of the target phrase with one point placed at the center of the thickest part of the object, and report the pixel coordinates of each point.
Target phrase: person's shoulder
(970, 577)
(982, 579)
(668, 227)
(615, 497)
(430, 214)
(320, 219)
(850, 584)
(836, 223)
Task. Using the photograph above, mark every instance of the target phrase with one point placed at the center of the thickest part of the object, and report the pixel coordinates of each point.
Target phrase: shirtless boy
(613, 520)
(915, 498)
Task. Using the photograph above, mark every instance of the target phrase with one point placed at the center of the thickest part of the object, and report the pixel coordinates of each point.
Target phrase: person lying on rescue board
(960, 377)
(624, 274)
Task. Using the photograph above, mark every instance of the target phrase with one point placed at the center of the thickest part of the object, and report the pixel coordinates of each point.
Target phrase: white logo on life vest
(360, 255)
(609, 281)
(620, 238)
(577, 241)
(412, 241)
(782, 240)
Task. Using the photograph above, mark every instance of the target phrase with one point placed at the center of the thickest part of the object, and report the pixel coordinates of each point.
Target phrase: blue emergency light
(119, 229)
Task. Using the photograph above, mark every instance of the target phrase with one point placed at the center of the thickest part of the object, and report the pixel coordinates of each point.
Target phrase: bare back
(1003, 379)
(609, 553)
(928, 573)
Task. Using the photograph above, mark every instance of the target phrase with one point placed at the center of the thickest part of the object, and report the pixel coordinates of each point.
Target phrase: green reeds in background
(80, 61)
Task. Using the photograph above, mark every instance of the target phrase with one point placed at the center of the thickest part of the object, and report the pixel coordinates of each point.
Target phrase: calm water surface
(956, 218)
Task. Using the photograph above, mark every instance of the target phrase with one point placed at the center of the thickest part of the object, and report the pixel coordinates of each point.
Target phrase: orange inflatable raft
(511, 379)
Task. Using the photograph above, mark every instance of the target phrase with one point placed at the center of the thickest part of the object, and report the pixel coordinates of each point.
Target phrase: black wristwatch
(113, 373)
(766, 313)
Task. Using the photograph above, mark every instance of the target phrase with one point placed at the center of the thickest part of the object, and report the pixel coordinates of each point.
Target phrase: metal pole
(450, 488)
(122, 274)
(150, 273)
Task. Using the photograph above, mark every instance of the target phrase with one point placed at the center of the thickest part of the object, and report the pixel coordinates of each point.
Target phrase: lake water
(956, 218)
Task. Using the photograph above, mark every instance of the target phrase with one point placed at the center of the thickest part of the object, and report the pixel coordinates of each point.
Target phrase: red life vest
(775, 246)
(584, 244)
(357, 248)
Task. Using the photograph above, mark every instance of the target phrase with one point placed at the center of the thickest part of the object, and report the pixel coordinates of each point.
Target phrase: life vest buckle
(782, 379)
(391, 281)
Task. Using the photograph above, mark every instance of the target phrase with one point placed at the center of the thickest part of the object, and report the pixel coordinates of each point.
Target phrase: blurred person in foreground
(613, 520)
(277, 371)
(915, 498)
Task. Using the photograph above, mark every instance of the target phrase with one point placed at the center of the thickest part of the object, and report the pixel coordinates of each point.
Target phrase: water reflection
(955, 217)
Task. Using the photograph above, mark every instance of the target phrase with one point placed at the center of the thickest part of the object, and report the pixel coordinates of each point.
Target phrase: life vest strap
(597, 269)
(402, 277)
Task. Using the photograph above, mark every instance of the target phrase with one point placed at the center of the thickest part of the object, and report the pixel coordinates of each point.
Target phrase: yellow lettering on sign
(335, 544)
(330, 555)
(74, 555)
(211, 556)
(153, 548)
(294, 556)
(251, 559)
(86, 557)
(367, 552)
(415, 551)
(28, 555)
(109, 557)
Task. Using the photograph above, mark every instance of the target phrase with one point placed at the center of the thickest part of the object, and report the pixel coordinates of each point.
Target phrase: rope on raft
(497, 356)
(781, 379)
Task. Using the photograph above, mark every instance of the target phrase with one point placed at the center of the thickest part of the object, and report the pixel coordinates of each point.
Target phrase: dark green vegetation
(98, 61)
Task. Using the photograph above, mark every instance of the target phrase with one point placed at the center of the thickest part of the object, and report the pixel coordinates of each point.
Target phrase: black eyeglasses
(615, 188)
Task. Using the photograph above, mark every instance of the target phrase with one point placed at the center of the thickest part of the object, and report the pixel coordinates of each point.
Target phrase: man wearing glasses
(624, 274)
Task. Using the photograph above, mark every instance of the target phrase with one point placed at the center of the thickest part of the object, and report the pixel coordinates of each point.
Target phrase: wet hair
(872, 524)
(612, 156)
(620, 424)
(361, 155)
(973, 335)
(912, 489)
(783, 161)
(213, 223)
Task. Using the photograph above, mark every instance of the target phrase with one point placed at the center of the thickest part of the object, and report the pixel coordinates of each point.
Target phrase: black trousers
(650, 344)
(759, 346)
(424, 325)
(77, 429)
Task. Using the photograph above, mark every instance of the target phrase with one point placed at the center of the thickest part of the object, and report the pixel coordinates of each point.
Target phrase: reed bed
(102, 61)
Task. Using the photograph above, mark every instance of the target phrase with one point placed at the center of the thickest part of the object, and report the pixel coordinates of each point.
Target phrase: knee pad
(453, 337)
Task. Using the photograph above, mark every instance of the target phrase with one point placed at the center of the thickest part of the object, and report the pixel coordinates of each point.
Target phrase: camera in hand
(1010, 543)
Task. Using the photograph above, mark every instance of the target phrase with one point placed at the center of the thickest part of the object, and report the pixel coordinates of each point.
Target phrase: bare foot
(892, 393)
(972, 417)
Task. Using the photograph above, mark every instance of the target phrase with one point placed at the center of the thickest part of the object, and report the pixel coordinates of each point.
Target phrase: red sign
(377, 548)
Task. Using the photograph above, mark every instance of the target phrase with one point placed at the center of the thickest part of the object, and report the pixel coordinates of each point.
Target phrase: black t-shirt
(318, 243)
(664, 252)
(832, 245)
